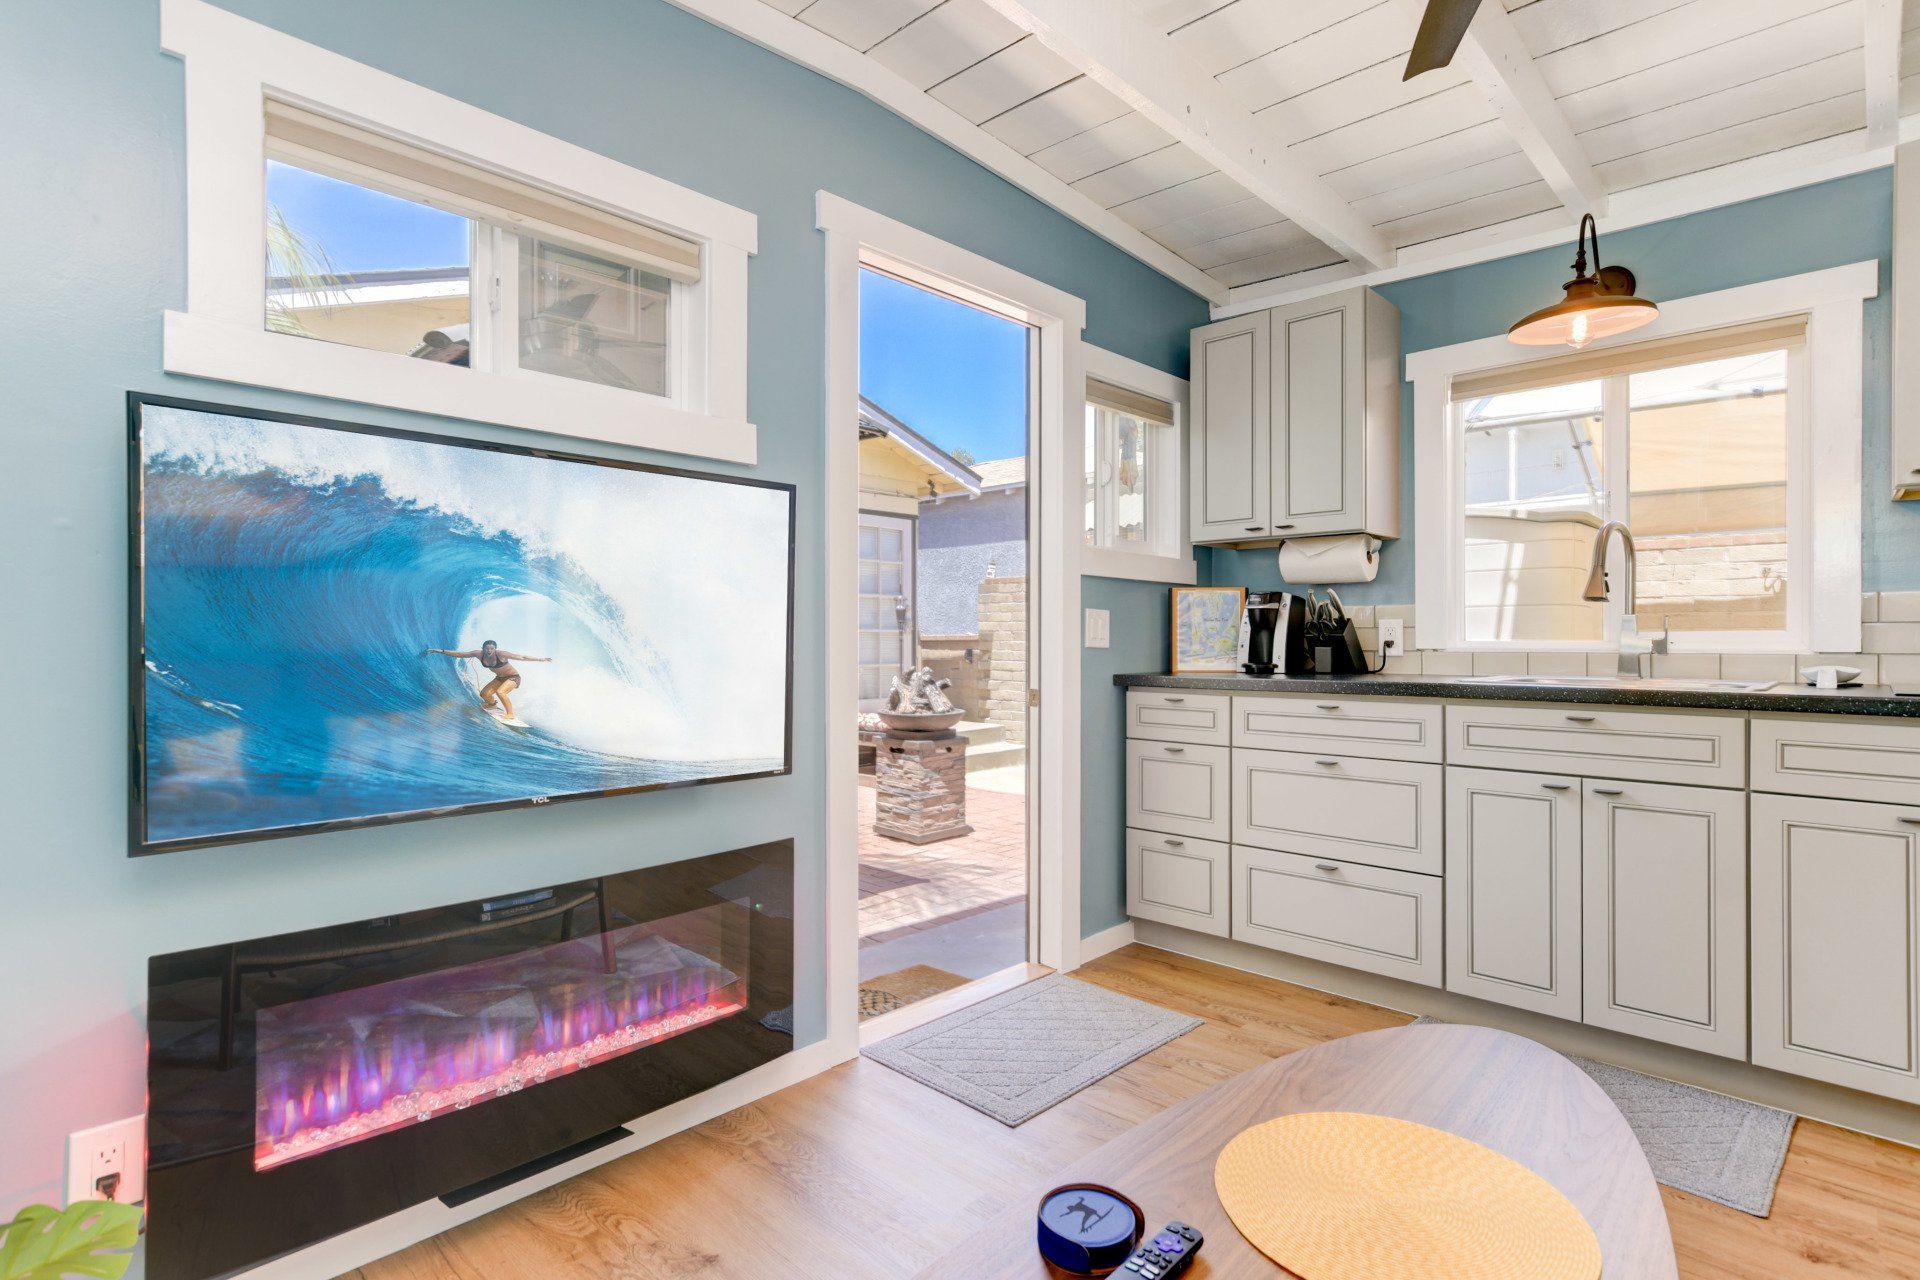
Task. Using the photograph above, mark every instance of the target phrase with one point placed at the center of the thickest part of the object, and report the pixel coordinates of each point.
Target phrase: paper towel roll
(1311, 562)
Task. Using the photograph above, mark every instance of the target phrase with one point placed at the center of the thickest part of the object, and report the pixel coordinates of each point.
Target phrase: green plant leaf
(44, 1243)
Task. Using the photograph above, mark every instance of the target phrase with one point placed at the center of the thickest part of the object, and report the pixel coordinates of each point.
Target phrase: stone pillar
(921, 781)
(1003, 637)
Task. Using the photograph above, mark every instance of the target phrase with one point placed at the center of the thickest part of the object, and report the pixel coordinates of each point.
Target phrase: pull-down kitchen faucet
(1630, 645)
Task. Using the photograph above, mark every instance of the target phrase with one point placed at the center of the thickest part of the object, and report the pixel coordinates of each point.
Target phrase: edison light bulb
(1580, 335)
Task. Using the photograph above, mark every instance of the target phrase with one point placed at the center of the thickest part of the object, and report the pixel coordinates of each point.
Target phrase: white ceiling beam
(1141, 66)
(797, 42)
(1882, 50)
(1496, 57)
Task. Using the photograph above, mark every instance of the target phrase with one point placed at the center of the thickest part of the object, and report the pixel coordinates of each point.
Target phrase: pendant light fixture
(1596, 306)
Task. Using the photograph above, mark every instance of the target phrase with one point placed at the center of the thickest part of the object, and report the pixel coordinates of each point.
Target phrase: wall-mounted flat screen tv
(339, 625)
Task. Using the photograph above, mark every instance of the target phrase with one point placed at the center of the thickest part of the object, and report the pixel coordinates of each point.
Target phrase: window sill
(1105, 562)
(229, 352)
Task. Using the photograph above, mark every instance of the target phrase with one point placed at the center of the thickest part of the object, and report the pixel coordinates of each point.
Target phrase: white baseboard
(362, 1245)
(1106, 940)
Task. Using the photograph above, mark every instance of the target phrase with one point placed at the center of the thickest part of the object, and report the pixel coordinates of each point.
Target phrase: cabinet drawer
(1176, 789)
(1168, 715)
(1836, 927)
(1855, 759)
(1372, 727)
(1601, 742)
(1362, 917)
(1178, 881)
(1385, 813)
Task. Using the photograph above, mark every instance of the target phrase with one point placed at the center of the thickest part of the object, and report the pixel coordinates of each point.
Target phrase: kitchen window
(1132, 526)
(355, 236)
(1731, 452)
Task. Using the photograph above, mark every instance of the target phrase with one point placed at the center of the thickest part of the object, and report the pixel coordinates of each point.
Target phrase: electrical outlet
(1099, 629)
(1393, 637)
(108, 1162)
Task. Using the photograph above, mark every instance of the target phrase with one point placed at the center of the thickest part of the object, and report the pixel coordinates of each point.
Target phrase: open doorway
(944, 426)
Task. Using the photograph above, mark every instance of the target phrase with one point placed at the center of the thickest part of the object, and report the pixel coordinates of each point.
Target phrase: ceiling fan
(1442, 27)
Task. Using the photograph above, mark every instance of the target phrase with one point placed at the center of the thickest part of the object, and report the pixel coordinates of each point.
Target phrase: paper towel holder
(1371, 544)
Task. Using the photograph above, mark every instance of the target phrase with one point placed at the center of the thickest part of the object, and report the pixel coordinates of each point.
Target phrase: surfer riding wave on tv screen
(505, 676)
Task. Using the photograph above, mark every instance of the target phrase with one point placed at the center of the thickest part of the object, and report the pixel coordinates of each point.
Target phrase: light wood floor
(867, 1176)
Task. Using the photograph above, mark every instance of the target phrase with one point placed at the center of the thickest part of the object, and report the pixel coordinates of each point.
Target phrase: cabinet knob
(1581, 719)
(1326, 866)
(1327, 762)
(1608, 791)
(1558, 786)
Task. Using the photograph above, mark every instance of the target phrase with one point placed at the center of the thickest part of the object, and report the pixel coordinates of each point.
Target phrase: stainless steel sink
(1629, 682)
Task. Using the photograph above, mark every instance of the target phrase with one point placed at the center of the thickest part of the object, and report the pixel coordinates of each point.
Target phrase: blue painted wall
(1847, 220)
(93, 252)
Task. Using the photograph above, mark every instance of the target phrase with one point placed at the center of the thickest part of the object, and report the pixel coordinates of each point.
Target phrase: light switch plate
(1099, 633)
(103, 1151)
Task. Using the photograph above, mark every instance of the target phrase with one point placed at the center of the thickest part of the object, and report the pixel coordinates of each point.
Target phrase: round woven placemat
(1336, 1195)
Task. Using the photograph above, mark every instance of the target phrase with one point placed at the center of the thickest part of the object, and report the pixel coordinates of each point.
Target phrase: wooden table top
(1500, 1090)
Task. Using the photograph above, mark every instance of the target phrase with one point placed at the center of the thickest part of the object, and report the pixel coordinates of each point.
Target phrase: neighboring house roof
(876, 423)
(360, 288)
(1002, 473)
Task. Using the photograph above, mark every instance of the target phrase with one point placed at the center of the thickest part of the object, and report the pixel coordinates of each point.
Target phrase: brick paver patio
(906, 886)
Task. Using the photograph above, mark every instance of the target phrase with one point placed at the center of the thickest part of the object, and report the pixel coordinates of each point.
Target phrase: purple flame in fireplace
(341, 1068)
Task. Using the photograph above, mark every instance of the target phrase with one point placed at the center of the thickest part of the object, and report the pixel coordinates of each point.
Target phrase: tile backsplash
(1890, 644)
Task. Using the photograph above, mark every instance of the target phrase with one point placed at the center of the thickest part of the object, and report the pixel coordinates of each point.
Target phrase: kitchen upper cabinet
(1296, 421)
(1836, 929)
(1513, 889)
(1665, 907)
(1232, 430)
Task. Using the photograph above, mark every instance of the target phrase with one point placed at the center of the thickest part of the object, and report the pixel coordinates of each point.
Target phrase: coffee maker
(1273, 635)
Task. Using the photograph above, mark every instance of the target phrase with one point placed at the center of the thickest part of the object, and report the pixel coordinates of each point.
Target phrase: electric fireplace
(308, 1083)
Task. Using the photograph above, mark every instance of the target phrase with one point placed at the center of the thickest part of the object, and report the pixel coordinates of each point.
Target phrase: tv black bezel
(140, 846)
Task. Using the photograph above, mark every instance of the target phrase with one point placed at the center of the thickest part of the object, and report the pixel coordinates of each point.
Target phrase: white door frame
(856, 236)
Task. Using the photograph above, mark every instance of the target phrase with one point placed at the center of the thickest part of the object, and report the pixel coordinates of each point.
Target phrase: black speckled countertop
(1869, 700)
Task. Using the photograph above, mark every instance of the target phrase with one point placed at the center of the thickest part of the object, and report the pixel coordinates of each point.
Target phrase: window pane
(352, 265)
(1091, 533)
(592, 318)
(1534, 496)
(1129, 480)
(1707, 459)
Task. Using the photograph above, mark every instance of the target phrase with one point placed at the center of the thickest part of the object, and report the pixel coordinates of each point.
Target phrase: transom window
(376, 244)
(1690, 443)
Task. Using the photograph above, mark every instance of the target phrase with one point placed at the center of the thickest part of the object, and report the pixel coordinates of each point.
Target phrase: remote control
(1166, 1255)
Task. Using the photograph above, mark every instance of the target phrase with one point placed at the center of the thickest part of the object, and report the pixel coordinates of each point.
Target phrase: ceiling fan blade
(1442, 27)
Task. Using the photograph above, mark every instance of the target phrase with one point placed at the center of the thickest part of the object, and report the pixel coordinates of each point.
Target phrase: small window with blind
(1693, 443)
(1131, 526)
(380, 244)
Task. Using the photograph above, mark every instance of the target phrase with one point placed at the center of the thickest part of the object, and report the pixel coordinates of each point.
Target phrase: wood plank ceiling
(1640, 91)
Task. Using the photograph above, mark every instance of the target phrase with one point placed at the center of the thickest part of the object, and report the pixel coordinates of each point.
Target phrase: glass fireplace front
(304, 1084)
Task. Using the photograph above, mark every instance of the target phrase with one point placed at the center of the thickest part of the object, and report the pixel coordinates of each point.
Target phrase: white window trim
(1825, 445)
(233, 64)
(1166, 483)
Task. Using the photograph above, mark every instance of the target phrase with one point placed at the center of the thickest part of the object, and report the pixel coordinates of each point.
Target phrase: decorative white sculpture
(920, 693)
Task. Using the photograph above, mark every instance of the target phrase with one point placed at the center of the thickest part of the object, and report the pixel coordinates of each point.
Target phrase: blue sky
(363, 230)
(951, 372)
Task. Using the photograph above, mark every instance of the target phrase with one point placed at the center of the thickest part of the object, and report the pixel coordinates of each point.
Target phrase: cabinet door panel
(1165, 715)
(1665, 914)
(1178, 881)
(1178, 790)
(1362, 917)
(1836, 933)
(1385, 813)
(1319, 464)
(1232, 433)
(1513, 889)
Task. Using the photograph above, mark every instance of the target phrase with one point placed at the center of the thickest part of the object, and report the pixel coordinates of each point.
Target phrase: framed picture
(337, 625)
(1206, 628)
